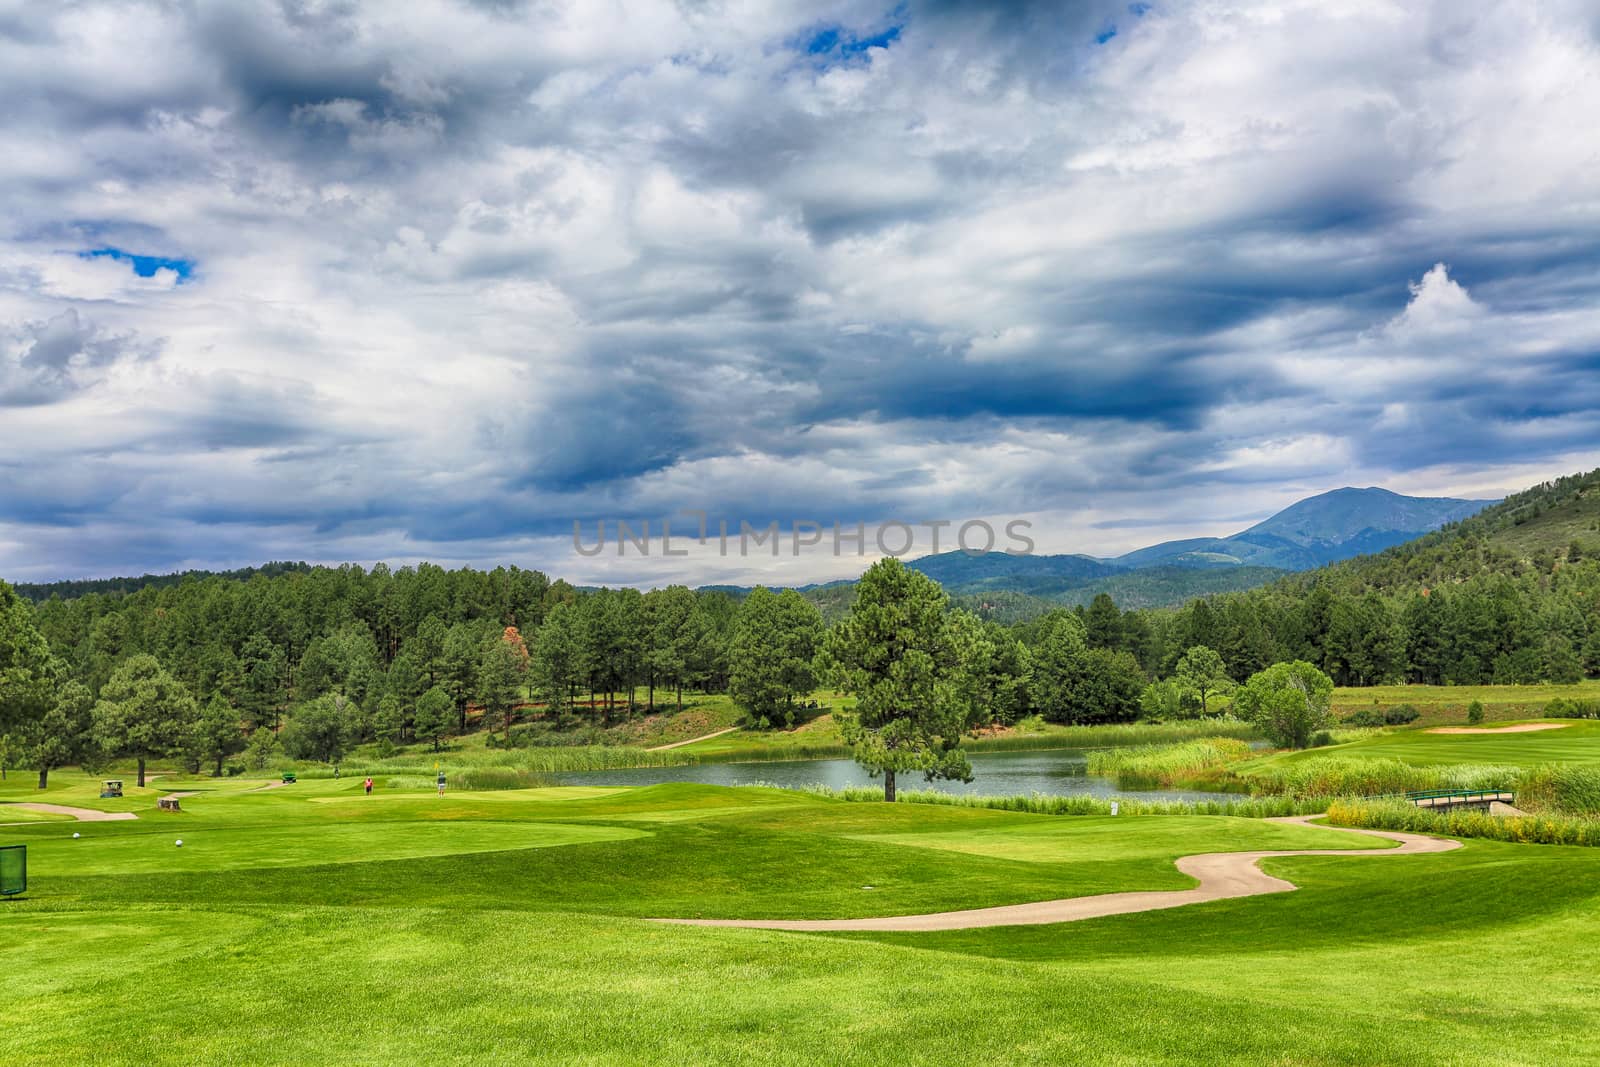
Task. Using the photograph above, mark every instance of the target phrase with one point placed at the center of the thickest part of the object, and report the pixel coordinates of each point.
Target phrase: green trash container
(13, 870)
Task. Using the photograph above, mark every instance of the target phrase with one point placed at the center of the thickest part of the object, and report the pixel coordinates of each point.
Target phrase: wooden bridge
(1453, 798)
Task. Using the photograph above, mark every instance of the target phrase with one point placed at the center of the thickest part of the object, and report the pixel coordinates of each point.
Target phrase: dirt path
(264, 788)
(692, 740)
(1222, 876)
(1520, 728)
(81, 814)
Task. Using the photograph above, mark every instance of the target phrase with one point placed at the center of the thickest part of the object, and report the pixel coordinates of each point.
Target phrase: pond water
(1060, 772)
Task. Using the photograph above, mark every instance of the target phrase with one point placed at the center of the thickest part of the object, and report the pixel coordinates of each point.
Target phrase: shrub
(1366, 717)
(1572, 708)
(1475, 712)
(1401, 714)
(1321, 739)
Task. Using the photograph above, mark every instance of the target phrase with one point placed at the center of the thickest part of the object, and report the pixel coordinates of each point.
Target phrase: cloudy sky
(344, 281)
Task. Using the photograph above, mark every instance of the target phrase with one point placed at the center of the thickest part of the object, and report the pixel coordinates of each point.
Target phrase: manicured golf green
(312, 924)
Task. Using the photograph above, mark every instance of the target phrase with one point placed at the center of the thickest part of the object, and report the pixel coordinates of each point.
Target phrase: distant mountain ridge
(1315, 531)
(1332, 526)
(1311, 533)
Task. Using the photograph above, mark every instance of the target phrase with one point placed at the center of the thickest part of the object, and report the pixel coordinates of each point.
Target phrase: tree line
(309, 660)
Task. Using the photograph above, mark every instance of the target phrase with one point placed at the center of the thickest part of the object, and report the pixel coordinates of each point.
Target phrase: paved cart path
(81, 814)
(692, 740)
(1222, 876)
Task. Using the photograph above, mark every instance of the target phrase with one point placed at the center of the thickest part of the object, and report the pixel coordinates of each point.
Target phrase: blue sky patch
(144, 266)
(838, 43)
(1105, 35)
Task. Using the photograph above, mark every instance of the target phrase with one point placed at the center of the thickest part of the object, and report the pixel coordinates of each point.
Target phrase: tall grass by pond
(1114, 735)
(1559, 787)
(1337, 776)
(1392, 814)
(1085, 804)
(1201, 764)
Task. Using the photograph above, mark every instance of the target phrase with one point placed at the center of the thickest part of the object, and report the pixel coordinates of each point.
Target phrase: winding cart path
(1222, 876)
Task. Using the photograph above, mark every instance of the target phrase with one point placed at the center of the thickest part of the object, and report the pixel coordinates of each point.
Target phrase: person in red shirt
(369, 787)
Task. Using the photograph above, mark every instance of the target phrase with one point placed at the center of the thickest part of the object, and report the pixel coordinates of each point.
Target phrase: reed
(1389, 814)
(1200, 764)
(1086, 804)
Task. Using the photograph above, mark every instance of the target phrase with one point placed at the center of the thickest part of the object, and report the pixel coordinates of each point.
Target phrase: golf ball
(180, 842)
(75, 837)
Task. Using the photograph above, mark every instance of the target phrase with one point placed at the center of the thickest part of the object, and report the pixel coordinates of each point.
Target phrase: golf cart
(111, 787)
(288, 777)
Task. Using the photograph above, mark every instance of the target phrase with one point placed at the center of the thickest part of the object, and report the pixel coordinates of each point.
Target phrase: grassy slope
(1576, 517)
(505, 956)
(1447, 704)
(1577, 741)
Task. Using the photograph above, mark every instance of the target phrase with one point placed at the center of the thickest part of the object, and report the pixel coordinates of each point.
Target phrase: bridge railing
(1462, 796)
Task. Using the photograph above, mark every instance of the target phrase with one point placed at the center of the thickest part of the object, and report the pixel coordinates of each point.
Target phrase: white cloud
(465, 273)
(1439, 306)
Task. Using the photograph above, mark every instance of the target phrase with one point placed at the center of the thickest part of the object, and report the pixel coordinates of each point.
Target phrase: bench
(168, 803)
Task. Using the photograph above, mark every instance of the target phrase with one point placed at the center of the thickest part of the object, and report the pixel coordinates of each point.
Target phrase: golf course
(311, 922)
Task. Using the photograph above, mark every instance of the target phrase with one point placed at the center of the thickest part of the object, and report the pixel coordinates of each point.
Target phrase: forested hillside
(1511, 595)
(314, 658)
(83, 587)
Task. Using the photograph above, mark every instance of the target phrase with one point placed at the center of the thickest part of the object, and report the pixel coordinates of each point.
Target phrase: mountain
(1314, 532)
(1308, 534)
(1537, 532)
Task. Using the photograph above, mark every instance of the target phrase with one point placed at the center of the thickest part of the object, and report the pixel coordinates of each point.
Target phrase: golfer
(441, 783)
(368, 785)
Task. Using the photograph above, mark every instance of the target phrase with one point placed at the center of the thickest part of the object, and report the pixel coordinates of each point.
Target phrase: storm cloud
(361, 281)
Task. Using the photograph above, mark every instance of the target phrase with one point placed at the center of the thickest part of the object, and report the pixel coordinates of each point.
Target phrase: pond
(1060, 772)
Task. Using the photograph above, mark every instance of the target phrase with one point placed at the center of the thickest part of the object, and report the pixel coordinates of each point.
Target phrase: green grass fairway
(231, 848)
(1577, 741)
(312, 924)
